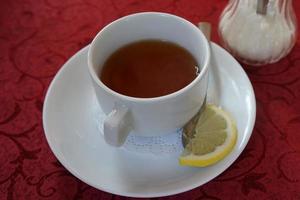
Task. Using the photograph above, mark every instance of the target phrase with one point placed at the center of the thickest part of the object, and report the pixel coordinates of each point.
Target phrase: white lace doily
(165, 144)
(157, 145)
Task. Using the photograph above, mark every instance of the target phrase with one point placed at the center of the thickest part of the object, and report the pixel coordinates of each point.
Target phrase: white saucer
(71, 124)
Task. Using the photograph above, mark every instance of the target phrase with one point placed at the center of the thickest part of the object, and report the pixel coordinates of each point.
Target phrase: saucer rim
(188, 187)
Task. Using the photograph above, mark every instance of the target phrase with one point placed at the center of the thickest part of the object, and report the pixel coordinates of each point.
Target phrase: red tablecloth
(38, 36)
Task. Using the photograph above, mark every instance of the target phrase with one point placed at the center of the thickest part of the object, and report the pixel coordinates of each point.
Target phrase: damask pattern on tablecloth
(37, 37)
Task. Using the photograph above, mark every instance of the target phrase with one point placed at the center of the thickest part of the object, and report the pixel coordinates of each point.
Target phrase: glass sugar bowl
(258, 32)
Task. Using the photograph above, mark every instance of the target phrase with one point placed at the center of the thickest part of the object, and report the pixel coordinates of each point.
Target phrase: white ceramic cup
(148, 116)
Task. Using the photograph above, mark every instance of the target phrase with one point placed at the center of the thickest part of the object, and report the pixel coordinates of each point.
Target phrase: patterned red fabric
(37, 37)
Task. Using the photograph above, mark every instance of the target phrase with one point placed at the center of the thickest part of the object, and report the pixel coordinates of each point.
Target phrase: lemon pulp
(214, 137)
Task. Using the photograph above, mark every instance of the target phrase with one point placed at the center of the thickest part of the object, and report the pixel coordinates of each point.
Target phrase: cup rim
(151, 99)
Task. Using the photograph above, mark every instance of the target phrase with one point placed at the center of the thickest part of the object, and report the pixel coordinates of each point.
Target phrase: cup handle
(117, 125)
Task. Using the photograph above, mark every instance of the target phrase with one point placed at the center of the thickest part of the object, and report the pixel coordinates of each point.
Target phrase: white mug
(148, 116)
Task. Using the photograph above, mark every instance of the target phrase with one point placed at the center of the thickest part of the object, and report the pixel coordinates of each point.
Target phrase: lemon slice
(214, 137)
